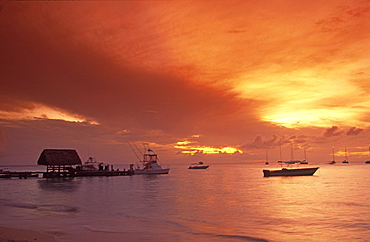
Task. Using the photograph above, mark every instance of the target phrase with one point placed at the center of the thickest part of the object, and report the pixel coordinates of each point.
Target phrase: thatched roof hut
(56, 157)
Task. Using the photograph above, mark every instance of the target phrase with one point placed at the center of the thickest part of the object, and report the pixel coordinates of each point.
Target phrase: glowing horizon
(218, 77)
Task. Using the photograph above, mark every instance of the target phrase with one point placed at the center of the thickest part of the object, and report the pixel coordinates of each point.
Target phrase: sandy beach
(21, 235)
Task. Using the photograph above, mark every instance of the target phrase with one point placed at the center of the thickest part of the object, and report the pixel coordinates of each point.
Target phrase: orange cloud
(39, 111)
(191, 148)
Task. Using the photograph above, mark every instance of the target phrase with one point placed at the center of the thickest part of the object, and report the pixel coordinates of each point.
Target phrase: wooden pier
(20, 174)
(60, 163)
(56, 174)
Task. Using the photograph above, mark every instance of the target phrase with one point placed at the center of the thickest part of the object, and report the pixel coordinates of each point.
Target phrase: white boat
(198, 165)
(287, 171)
(151, 165)
(92, 165)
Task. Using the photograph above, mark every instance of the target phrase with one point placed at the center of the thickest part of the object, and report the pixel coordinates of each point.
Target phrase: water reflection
(59, 184)
(224, 203)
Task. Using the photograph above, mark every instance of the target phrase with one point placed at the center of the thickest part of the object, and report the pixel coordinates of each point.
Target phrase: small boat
(267, 158)
(346, 155)
(305, 162)
(151, 165)
(333, 161)
(287, 171)
(368, 161)
(92, 165)
(199, 165)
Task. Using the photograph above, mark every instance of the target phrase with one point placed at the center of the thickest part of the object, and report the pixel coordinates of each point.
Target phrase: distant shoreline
(10, 234)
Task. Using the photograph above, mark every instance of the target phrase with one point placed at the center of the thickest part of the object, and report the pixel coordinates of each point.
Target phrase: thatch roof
(59, 157)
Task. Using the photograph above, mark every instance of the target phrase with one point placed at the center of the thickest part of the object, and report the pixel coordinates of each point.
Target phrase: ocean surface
(227, 202)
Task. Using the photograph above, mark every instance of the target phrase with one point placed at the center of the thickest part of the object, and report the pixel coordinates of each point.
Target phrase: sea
(226, 202)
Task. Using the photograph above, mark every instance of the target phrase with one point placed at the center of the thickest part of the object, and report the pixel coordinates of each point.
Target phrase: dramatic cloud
(220, 75)
(333, 131)
(354, 131)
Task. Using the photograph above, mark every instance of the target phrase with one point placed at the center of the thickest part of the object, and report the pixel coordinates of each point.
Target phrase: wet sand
(21, 235)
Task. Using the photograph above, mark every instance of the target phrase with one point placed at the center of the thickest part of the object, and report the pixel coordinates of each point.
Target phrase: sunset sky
(218, 81)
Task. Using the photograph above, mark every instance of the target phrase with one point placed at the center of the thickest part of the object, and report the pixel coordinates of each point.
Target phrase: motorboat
(150, 164)
(93, 165)
(198, 165)
(90, 165)
(290, 171)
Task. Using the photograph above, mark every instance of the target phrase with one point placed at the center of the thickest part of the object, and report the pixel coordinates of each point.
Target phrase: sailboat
(267, 157)
(305, 158)
(368, 161)
(333, 161)
(346, 155)
(291, 156)
(288, 170)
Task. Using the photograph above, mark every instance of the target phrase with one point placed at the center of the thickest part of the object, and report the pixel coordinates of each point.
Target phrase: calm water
(224, 203)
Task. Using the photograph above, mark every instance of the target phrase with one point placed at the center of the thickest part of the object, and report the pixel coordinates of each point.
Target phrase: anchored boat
(150, 164)
(198, 165)
(287, 171)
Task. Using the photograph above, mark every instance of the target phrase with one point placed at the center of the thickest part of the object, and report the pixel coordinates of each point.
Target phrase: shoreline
(24, 235)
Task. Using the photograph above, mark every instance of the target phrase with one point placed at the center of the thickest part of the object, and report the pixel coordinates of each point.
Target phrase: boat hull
(150, 172)
(198, 167)
(290, 172)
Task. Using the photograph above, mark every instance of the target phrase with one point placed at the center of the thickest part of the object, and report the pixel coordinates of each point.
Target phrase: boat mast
(333, 154)
(281, 156)
(305, 155)
(291, 152)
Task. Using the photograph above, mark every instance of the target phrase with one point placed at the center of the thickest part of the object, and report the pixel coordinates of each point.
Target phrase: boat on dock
(198, 165)
(93, 165)
(150, 165)
(290, 171)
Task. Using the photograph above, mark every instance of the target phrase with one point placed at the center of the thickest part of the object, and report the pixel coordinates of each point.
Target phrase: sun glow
(188, 148)
(38, 111)
(313, 117)
(303, 98)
